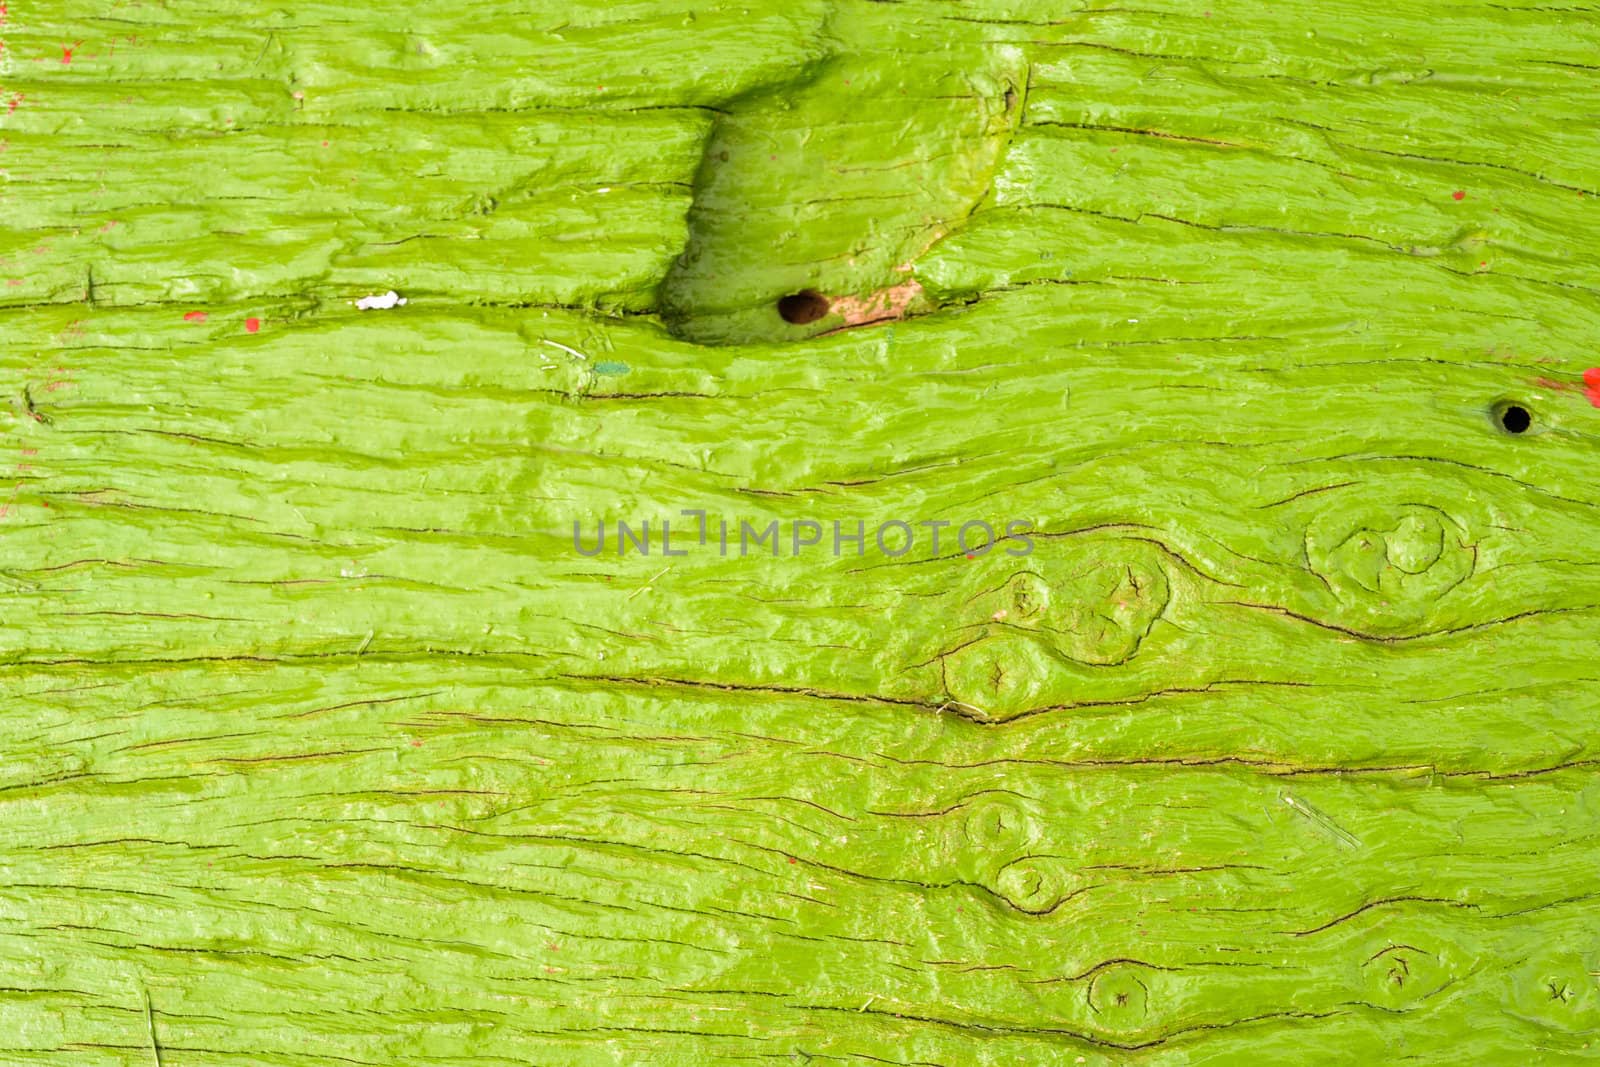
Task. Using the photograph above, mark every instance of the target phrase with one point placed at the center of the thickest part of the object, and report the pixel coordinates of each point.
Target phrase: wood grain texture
(1279, 746)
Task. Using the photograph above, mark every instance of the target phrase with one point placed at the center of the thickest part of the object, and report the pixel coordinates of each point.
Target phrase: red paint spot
(66, 55)
(793, 860)
(251, 325)
(16, 99)
(324, 144)
(1460, 194)
(194, 316)
(13, 281)
(416, 744)
(1591, 378)
(971, 556)
(1552, 384)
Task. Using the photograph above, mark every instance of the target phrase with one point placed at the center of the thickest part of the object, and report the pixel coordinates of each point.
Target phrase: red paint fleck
(194, 316)
(324, 144)
(66, 55)
(1552, 384)
(30, 451)
(1460, 194)
(416, 744)
(971, 556)
(1591, 378)
(251, 325)
(793, 860)
(16, 99)
(13, 281)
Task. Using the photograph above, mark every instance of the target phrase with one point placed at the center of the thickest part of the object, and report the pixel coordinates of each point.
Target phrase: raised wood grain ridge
(321, 740)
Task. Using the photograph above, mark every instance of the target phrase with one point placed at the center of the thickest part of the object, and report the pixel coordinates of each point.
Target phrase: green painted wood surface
(320, 738)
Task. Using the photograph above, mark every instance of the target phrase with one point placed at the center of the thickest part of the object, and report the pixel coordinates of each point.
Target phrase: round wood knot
(1119, 997)
(1078, 605)
(1558, 989)
(1091, 601)
(1391, 565)
(998, 824)
(1001, 676)
(1033, 884)
(1400, 974)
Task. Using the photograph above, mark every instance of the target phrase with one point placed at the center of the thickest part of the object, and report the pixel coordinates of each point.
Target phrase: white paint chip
(381, 303)
(569, 351)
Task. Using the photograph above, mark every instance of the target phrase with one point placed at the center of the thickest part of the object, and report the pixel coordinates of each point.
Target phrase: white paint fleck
(381, 303)
(564, 348)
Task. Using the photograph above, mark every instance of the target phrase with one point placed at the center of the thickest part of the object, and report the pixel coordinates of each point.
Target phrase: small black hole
(1515, 418)
(803, 307)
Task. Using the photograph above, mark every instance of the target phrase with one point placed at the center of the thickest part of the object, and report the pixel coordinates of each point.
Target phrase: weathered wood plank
(1279, 744)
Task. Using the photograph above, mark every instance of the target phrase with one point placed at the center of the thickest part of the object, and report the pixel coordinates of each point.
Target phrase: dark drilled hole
(1515, 418)
(803, 307)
